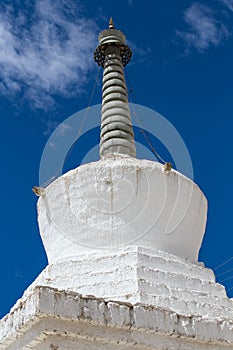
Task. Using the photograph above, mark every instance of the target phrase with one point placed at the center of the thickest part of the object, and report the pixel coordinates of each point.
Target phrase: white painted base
(110, 230)
(51, 319)
(145, 276)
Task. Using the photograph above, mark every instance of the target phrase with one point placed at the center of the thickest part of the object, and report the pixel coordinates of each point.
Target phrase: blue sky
(181, 67)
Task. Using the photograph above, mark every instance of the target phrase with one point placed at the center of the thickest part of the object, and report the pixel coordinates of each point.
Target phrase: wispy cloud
(204, 30)
(45, 50)
(140, 54)
(228, 3)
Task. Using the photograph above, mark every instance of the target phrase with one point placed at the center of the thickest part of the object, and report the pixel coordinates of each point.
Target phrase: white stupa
(122, 236)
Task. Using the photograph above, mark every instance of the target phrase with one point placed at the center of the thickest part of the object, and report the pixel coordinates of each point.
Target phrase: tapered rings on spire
(116, 127)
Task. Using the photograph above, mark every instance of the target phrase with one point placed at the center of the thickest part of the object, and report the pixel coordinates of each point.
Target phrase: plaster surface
(52, 319)
(121, 201)
(142, 275)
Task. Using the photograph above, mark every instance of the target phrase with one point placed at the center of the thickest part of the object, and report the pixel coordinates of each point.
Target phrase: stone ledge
(46, 309)
(135, 275)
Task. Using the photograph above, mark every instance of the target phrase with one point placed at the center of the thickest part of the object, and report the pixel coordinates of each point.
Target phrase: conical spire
(116, 128)
(111, 24)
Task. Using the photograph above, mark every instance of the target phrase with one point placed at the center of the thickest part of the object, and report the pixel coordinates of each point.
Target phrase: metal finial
(111, 24)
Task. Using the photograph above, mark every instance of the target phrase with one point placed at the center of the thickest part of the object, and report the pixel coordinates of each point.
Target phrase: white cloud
(46, 50)
(228, 3)
(204, 30)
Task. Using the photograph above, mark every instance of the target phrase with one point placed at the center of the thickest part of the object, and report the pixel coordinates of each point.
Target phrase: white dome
(122, 201)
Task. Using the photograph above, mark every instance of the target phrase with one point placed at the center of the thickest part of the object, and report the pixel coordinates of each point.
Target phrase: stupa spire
(111, 24)
(116, 128)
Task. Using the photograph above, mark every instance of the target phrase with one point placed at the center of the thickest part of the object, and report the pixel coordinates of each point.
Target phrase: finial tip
(111, 24)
